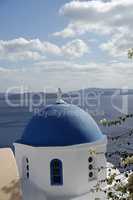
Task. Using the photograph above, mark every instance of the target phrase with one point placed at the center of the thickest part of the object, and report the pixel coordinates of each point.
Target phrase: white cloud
(67, 32)
(119, 44)
(112, 14)
(79, 28)
(24, 49)
(113, 18)
(68, 75)
(75, 49)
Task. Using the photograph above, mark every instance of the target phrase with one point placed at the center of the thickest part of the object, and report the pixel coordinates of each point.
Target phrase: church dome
(61, 124)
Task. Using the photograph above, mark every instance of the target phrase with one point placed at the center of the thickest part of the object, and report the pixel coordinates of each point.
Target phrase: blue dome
(61, 125)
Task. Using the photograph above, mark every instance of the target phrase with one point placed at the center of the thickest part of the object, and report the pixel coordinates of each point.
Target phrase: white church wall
(75, 166)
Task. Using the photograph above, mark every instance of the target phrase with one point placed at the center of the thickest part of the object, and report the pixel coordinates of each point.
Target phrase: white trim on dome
(70, 147)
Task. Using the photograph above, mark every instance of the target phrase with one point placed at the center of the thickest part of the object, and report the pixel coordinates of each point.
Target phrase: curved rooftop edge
(61, 125)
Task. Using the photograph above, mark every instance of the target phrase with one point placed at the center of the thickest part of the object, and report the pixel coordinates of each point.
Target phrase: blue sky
(30, 19)
(47, 44)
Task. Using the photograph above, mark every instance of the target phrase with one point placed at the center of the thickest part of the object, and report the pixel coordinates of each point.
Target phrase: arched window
(56, 172)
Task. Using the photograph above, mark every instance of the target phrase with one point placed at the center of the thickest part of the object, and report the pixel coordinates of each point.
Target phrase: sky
(71, 44)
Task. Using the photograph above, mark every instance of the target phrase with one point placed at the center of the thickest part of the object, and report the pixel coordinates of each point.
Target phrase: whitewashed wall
(75, 166)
